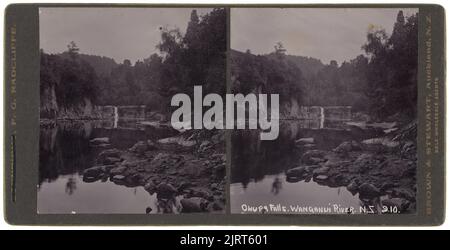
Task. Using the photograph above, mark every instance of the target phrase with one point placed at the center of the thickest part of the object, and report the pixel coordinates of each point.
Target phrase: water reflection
(257, 172)
(65, 152)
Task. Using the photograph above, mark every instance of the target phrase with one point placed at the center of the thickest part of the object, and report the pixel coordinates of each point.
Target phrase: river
(258, 168)
(65, 152)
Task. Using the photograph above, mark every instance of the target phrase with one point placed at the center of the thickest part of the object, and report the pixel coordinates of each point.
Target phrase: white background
(4, 225)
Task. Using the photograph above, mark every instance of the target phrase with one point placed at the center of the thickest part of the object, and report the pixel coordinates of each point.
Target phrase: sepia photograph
(107, 76)
(347, 85)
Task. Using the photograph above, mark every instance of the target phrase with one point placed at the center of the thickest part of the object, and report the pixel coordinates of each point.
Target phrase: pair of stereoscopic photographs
(337, 88)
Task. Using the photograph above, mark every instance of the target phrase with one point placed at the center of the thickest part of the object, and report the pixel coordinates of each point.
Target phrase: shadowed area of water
(258, 167)
(65, 152)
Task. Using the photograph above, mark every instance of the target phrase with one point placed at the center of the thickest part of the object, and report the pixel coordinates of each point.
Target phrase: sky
(325, 34)
(119, 33)
(133, 33)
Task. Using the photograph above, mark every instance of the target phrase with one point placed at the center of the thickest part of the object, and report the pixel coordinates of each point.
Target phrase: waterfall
(116, 116)
(322, 117)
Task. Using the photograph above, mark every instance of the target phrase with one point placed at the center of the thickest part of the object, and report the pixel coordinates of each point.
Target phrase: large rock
(353, 187)
(321, 171)
(178, 140)
(194, 205)
(308, 156)
(347, 146)
(119, 179)
(93, 172)
(367, 190)
(140, 147)
(380, 144)
(151, 145)
(150, 187)
(309, 140)
(117, 170)
(111, 160)
(165, 191)
(296, 172)
(109, 153)
(400, 203)
(98, 141)
(321, 178)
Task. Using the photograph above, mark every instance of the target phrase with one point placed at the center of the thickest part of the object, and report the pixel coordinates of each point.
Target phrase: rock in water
(117, 170)
(151, 145)
(150, 187)
(295, 172)
(348, 146)
(321, 171)
(111, 160)
(109, 153)
(165, 191)
(309, 140)
(353, 187)
(140, 147)
(101, 140)
(400, 203)
(93, 172)
(368, 190)
(194, 205)
(321, 178)
(306, 157)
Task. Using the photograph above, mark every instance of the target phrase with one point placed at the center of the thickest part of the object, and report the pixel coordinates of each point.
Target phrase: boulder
(178, 140)
(111, 160)
(99, 141)
(165, 191)
(320, 178)
(306, 157)
(109, 153)
(347, 146)
(140, 147)
(321, 171)
(368, 190)
(309, 140)
(309, 146)
(296, 172)
(118, 178)
(194, 205)
(150, 187)
(201, 192)
(215, 206)
(400, 203)
(151, 145)
(380, 144)
(353, 187)
(117, 170)
(94, 172)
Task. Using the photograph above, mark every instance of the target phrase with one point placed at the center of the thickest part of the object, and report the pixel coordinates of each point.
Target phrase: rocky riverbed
(187, 172)
(381, 170)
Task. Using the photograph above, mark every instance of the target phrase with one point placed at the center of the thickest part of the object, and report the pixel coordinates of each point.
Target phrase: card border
(21, 140)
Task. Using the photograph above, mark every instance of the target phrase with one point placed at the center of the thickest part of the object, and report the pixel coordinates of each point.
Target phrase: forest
(194, 57)
(382, 82)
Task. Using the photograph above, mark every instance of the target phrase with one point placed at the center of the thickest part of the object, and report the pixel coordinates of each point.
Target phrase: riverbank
(381, 170)
(187, 171)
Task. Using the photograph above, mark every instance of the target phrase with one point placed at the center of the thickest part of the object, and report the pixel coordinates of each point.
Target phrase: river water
(258, 169)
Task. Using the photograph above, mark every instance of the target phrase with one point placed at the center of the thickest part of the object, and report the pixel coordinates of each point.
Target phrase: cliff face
(49, 108)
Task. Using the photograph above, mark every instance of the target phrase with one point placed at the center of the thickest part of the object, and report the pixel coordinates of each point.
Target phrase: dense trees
(197, 57)
(381, 83)
(392, 68)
